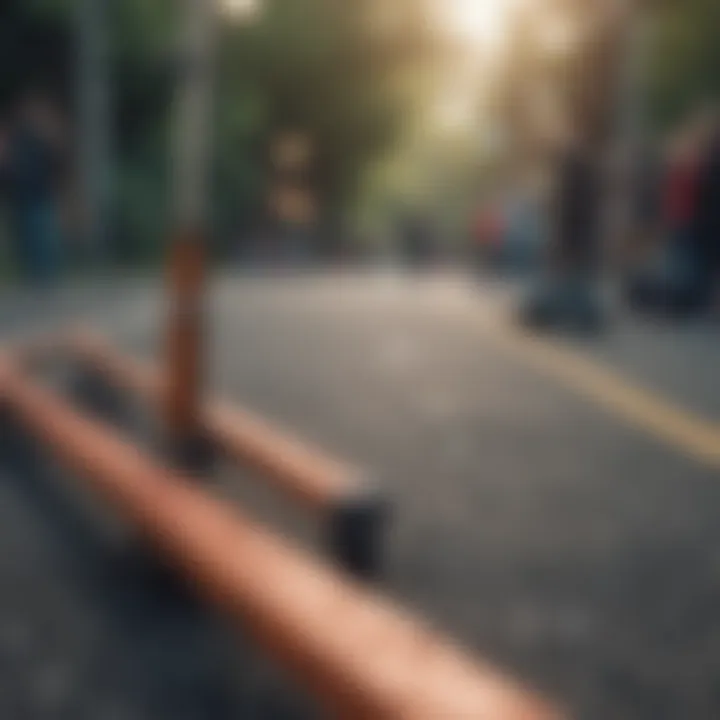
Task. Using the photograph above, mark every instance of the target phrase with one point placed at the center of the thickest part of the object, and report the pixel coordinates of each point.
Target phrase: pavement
(556, 500)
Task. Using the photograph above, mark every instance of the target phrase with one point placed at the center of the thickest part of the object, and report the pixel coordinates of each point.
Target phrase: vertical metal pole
(93, 79)
(191, 139)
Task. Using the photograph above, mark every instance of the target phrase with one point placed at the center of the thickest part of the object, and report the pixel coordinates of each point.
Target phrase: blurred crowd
(671, 253)
(670, 259)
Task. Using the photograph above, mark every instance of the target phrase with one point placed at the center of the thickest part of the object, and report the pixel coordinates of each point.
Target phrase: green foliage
(349, 74)
(321, 67)
(685, 61)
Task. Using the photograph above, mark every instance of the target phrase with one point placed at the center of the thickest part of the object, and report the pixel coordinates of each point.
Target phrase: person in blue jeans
(32, 165)
(707, 225)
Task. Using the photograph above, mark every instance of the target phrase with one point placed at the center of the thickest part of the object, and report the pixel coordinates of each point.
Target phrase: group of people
(683, 275)
(31, 168)
(674, 223)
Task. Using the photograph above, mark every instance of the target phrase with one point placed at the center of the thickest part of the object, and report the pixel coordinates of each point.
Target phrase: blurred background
(424, 131)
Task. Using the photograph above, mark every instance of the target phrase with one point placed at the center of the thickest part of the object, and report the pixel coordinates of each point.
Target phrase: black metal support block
(356, 532)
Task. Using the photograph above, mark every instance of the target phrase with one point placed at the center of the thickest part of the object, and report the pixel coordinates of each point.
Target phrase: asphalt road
(550, 524)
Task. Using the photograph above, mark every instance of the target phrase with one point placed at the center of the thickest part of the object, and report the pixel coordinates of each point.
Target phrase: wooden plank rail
(353, 510)
(361, 657)
(307, 474)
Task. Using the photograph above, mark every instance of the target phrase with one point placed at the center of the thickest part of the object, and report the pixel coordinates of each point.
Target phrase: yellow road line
(688, 433)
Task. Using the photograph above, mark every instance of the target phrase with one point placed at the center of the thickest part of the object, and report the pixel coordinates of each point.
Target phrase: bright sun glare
(481, 21)
(241, 9)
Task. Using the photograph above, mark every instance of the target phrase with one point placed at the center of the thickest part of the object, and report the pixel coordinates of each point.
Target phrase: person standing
(706, 236)
(33, 164)
(569, 297)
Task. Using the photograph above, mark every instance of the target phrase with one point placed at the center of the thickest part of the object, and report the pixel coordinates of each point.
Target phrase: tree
(328, 69)
(685, 57)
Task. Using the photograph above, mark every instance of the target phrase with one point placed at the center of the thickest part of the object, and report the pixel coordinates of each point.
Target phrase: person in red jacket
(676, 283)
(706, 234)
(680, 199)
(487, 232)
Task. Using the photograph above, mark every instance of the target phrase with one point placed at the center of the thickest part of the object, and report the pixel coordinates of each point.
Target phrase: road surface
(557, 503)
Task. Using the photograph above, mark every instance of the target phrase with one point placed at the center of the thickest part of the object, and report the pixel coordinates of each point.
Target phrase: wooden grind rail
(361, 657)
(306, 473)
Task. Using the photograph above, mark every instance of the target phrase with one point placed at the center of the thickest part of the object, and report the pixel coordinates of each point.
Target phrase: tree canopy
(352, 77)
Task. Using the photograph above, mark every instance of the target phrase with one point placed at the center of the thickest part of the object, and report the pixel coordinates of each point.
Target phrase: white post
(94, 138)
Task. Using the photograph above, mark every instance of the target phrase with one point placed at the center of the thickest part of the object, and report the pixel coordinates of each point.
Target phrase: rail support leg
(356, 533)
(195, 454)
